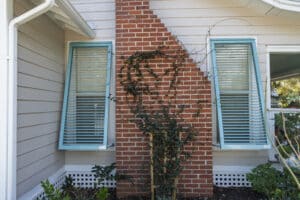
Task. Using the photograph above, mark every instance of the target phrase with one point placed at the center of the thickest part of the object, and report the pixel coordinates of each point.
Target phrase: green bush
(102, 194)
(70, 192)
(51, 193)
(264, 179)
(275, 184)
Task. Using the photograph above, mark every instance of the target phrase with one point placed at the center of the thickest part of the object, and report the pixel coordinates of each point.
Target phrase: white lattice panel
(86, 179)
(82, 177)
(231, 176)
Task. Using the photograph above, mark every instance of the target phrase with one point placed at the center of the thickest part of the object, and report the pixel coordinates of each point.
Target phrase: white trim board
(284, 4)
(277, 49)
(271, 111)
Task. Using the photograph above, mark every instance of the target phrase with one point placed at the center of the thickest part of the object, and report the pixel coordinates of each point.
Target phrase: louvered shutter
(86, 103)
(238, 93)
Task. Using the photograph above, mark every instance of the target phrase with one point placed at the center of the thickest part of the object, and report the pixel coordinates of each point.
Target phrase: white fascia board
(71, 12)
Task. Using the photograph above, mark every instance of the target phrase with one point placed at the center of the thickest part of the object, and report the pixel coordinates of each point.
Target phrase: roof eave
(284, 4)
(69, 10)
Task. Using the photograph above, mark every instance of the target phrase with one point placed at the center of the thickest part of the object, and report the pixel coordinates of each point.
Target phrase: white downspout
(12, 91)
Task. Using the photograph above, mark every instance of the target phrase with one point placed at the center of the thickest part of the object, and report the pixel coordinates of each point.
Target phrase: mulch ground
(241, 193)
(236, 194)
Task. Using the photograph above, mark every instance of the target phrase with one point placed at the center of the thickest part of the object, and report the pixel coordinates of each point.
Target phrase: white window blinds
(239, 102)
(85, 117)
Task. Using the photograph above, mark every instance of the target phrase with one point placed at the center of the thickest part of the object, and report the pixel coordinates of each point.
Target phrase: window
(283, 92)
(285, 80)
(239, 100)
(84, 122)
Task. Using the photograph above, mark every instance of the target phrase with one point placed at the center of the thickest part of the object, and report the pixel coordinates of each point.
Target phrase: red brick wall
(138, 29)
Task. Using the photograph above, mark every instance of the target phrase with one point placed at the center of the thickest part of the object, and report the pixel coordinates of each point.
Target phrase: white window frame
(272, 111)
(277, 49)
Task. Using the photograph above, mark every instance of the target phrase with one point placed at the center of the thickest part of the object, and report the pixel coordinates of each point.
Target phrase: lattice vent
(231, 176)
(83, 178)
(86, 179)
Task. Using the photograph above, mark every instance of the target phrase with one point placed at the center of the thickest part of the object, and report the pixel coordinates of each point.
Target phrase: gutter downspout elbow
(12, 91)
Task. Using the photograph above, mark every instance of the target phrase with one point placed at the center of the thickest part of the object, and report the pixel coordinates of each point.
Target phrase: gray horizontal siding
(40, 94)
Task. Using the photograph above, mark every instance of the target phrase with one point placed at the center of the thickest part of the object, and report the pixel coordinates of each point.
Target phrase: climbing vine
(150, 80)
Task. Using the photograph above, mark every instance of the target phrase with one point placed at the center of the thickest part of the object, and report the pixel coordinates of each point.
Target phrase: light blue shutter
(238, 94)
(86, 102)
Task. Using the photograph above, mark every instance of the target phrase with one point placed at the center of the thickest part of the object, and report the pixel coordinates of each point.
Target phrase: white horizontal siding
(193, 22)
(99, 14)
(40, 93)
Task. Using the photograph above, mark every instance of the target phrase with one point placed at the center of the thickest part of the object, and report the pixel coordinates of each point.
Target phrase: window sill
(87, 148)
(217, 148)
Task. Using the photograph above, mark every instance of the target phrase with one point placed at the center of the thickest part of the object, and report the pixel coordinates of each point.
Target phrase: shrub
(51, 193)
(264, 179)
(273, 183)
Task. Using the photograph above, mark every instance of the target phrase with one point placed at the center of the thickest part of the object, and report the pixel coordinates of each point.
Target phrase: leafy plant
(52, 193)
(287, 144)
(158, 114)
(288, 92)
(69, 191)
(68, 186)
(102, 194)
(103, 173)
(273, 183)
(264, 179)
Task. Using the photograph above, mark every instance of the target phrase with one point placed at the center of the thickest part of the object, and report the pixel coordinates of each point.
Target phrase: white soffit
(291, 5)
(66, 16)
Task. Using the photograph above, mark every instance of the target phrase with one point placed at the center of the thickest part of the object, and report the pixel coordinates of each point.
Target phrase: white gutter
(75, 17)
(12, 91)
(284, 4)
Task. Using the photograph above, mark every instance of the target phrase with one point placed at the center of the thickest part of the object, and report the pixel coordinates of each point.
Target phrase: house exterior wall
(40, 93)
(100, 15)
(138, 29)
(193, 22)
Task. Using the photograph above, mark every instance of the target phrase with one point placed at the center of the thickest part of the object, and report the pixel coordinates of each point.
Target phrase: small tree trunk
(176, 179)
(151, 168)
(175, 189)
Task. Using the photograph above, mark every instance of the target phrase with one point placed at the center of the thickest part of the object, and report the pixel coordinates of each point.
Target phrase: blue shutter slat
(238, 94)
(86, 103)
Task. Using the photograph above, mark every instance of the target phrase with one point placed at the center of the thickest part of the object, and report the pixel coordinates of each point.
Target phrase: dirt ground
(236, 194)
(241, 193)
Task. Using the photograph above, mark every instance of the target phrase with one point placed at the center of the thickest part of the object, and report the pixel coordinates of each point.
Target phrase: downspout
(12, 91)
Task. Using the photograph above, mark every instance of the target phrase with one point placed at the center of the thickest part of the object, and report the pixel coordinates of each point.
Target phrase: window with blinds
(239, 99)
(86, 100)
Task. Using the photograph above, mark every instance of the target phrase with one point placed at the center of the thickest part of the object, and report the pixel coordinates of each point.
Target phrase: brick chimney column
(138, 29)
